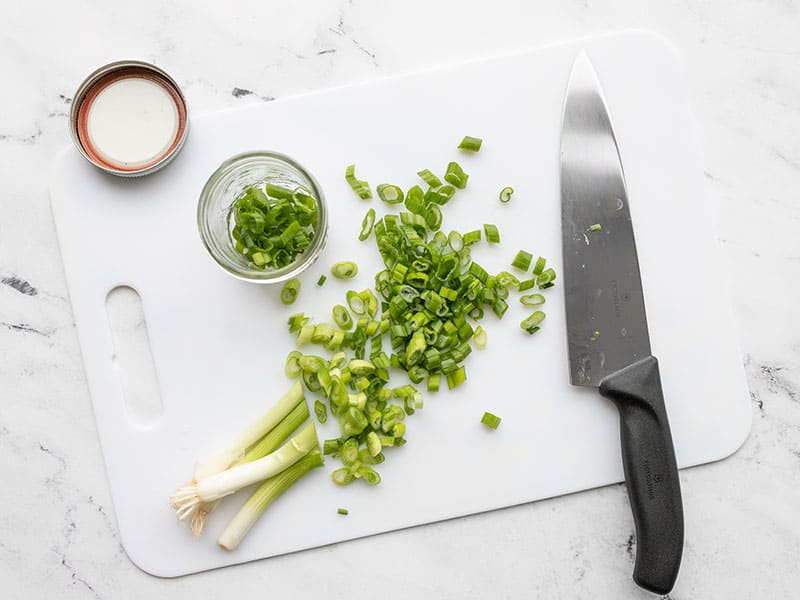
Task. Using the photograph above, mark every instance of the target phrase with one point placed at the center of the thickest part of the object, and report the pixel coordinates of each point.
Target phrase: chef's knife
(609, 345)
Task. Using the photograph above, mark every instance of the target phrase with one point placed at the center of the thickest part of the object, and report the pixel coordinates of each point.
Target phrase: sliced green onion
(366, 224)
(545, 280)
(373, 443)
(353, 421)
(297, 321)
(311, 363)
(369, 475)
(522, 260)
(278, 191)
(492, 233)
(472, 237)
(479, 272)
(415, 200)
(391, 194)
(480, 338)
(342, 476)
(331, 446)
(455, 240)
(371, 303)
(417, 374)
(415, 349)
(528, 284)
(455, 175)
(506, 279)
(293, 369)
(531, 323)
(505, 194)
(440, 195)
(321, 411)
(595, 227)
(532, 300)
(322, 333)
(259, 259)
(349, 452)
(359, 187)
(304, 202)
(448, 294)
(342, 318)
(336, 340)
(433, 217)
(539, 266)
(471, 144)
(359, 366)
(490, 420)
(342, 511)
(433, 382)
(304, 335)
(322, 279)
(290, 290)
(456, 378)
(595, 336)
(344, 270)
(428, 177)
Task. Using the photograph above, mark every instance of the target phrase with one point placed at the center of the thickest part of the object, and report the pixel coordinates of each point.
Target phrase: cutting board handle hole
(132, 357)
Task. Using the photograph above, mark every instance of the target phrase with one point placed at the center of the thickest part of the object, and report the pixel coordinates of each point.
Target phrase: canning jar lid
(129, 118)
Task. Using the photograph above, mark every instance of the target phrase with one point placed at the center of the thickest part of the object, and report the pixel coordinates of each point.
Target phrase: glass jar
(225, 186)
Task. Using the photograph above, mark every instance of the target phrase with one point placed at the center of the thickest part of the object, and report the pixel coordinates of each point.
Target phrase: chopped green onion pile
(273, 225)
(420, 318)
(490, 420)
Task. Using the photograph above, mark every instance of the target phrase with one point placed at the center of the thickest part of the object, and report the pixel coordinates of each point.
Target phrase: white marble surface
(57, 532)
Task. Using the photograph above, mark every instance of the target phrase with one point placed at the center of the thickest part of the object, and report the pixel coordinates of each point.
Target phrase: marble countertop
(58, 537)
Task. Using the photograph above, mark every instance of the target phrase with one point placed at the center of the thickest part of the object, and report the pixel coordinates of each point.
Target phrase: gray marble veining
(58, 538)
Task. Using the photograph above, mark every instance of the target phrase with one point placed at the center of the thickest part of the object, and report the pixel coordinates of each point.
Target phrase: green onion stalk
(188, 498)
(274, 426)
(266, 494)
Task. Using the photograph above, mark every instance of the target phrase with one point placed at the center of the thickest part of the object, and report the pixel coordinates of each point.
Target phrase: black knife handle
(651, 473)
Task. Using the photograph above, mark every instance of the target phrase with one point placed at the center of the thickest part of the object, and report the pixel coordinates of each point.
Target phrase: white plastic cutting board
(219, 344)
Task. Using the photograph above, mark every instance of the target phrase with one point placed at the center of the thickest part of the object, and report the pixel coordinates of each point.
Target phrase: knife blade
(607, 335)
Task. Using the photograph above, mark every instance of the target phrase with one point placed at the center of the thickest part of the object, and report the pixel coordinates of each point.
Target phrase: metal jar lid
(105, 114)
